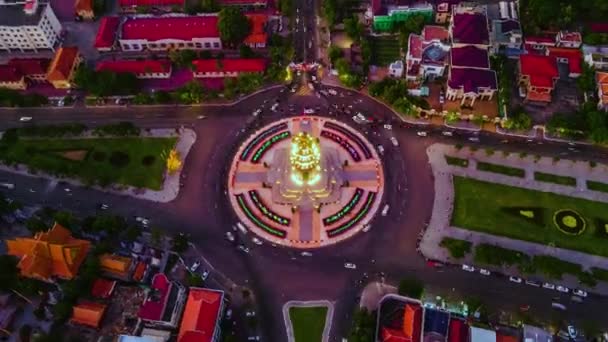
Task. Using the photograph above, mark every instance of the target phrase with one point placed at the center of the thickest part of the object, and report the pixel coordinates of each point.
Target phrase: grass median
(138, 162)
(555, 179)
(502, 169)
(308, 323)
(487, 207)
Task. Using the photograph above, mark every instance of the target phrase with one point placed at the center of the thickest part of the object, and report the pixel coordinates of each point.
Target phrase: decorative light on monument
(304, 156)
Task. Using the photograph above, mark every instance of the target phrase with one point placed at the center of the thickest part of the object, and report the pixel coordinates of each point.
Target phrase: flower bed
(268, 144)
(346, 209)
(343, 143)
(351, 136)
(360, 215)
(267, 212)
(569, 222)
(259, 223)
(260, 137)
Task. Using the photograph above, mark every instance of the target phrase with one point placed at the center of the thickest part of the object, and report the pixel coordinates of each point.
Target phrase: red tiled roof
(258, 34)
(180, 28)
(431, 32)
(545, 39)
(470, 56)
(538, 96)
(9, 74)
(470, 28)
(570, 36)
(602, 83)
(244, 2)
(414, 47)
(30, 66)
(154, 306)
(230, 65)
(574, 57)
(471, 80)
(103, 288)
(200, 315)
(62, 64)
(542, 70)
(505, 338)
(83, 6)
(160, 3)
(599, 27)
(107, 32)
(140, 270)
(459, 331)
(135, 67)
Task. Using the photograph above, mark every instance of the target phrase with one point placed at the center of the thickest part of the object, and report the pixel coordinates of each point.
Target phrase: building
(596, 56)
(395, 69)
(164, 303)
(197, 32)
(571, 58)
(150, 68)
(470, 77)
(103, 288)
(11, 78)
(116, 266)
(535, 334)
(133, 5)
(106, 34)
(458, 330)
(215, 68)
(385, 16)
(506, 37)
(202, 316)
(84, 9)
(63, 67)
(245, 4)
(33, 69)
(436, 325)
(601, 79)
(50, 254)
(469, 57)
(443, 10)
(258, 37)
(427, 54)
(29, 27)
(538, 44)
(482, 335)
(538, 74)
(469, 26)
(88, 313)
(566, 39)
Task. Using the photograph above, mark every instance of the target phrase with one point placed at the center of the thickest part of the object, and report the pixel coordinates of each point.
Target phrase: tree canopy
(233, 25)
(105, 83)
(540, 15)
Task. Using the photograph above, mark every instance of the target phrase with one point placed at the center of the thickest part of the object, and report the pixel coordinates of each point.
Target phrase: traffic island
(308, 321)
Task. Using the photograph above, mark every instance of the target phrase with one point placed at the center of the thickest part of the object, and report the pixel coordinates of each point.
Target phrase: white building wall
(33, 37)
(214, 43)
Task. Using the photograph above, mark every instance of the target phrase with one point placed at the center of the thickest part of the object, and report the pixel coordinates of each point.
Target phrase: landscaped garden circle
(306, 182)
(569, 222)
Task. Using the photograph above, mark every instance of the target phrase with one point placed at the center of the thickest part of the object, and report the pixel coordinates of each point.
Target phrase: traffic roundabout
(306, 182)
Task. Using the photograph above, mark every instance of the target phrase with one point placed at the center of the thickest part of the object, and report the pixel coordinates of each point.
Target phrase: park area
(308, 323)
(385, 50)
(535, 216)
(133, 161)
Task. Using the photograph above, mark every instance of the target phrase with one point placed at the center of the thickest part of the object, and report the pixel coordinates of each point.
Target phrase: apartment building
(29, 26)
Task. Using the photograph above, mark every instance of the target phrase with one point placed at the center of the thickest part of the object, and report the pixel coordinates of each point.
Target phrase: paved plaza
(343, 199)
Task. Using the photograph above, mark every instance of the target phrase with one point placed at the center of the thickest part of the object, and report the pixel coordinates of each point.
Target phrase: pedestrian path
(440, 223)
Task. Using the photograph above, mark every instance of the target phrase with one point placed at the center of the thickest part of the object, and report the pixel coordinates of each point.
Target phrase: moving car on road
(366, 228)
(421, 133)
(579, 292)
(195, 266)
(350, 266)
(447, 133)
(394, 141)
(515, 279)
(230, 236)
(468, 268)
(205, 275)
(243, 248)
(25, 119)
(256, 241)
(385, 210)
(380, 149)
(484, 271)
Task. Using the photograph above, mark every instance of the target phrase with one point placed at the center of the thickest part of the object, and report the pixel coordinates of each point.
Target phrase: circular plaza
(306, 182)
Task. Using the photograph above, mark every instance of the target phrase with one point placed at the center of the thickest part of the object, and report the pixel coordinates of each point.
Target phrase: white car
(474, 139)
(25, 118)
(447, 133)
(230, 236)
(104, 206)
(257, 112)
(256, 241)
(515, 279)
(253, 338)
(241, 227)
(388, 127)
(332, 92)
(243, 248)
(359, 118)
(309, 111)
(580, 293)
(201, 117)
(421, 133)
(484, 271)
(380, 149)
(394, 141)
(548, 286)
(385, 210)
(250, 313)
(350, 266)
(274, 107)
(195, 266)
(307, 254)
(67, 190)
(562, 289)
(468, 268)
(205, 275)
(366, 228)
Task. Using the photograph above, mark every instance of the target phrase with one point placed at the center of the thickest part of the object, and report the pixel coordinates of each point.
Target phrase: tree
(329, 10)
(174, 162)
(35, 225)
(180, 243)
(519, 121)
(132, 233)
(245, 51)
(156, 235)
(9, 272)
(586, 82)
(65, 218)
(599, 126)
(233, 25)
(285, 7)
(182, 58)
(363, 326)
(353, 28)
(191, 92)
(110, 224)
(209, 6)
(334, 53)
(411, 287)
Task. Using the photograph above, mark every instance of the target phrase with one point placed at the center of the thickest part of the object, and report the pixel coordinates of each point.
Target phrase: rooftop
(200, 315)
(180, 28)
(470, 28)
(135, 66)
(9, 74)
(471, 80)
(13, 15)
(574, 57)
(88, 313)
(106, 32)
(160, 3)
(229, 65)
(482, 335)
(156, 302)
(258, 29)
(432, 32)
(458, 330)
(542, 70)
(30, 66)
(62, 63)
(470, 56)
(103, 288)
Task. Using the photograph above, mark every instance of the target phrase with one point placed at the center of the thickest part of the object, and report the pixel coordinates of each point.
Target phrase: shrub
(555, 268)
(99, 156)
(148, 160)
(457, 248)
(119, 159)
(599, 273)
(498, 256)
(457, 161)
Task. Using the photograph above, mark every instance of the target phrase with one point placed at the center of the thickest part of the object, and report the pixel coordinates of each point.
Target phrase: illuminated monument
(306, 174)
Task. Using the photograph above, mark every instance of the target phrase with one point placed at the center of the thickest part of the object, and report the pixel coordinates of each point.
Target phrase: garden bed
(457, 161)
(137, 162)
(502, 169)
(556, 179)
(527, 215)
(308, 323)
(597, 186)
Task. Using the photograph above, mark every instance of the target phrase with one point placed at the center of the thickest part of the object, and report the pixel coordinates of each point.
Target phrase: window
(181, 45)
(216, 45)
(126, 47)
(198, 45)
(207, 45)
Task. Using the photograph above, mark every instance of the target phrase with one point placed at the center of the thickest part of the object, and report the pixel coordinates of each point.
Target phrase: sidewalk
(439, 225)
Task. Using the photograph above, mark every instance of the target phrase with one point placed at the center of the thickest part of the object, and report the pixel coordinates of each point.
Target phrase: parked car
(250, 313)
(230, 236)
(256, 241)
(350, 265)
(380, 149)
(447, 133)
(388, 127)
(309, 111)
(562, 289)
(579, 292)
(421, 133)
(366, 228)
(25, 119)
(306, 254)
(257, 112)
(243, 248)
(558, 306)
(195, 266)
(253, 338)
(332, 92)
(385, 210)
(205, 274)
(394, 141)
(468, 268)
(515, 279)
(474, 139)
(484, 271)
(548, 286)
(533, 283)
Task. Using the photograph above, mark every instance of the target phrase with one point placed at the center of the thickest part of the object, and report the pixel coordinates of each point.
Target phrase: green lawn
(385, 50)
(308, 323)
(502, 169)
(557, 179)
(456, 161)
(597, 186)
(138, 162)
(481, 206)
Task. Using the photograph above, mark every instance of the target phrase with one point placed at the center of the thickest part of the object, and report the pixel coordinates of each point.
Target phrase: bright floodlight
(304, 156)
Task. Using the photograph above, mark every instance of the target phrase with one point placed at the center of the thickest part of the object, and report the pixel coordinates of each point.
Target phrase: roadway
(277, 275)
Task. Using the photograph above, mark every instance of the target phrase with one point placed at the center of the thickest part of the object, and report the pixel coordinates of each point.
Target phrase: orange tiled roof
(602, 84)
(88, 313)
(54, 253)
(84, 6)
(200, 315)
(62, 64)
(115, 263)
(258, 34)
(140, 270)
